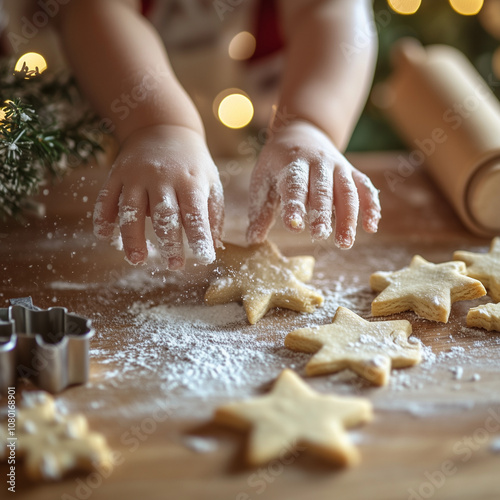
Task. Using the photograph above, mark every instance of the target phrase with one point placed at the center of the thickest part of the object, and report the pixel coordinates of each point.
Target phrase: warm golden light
(235, 111)
(242, 46)
(2, 111)
(31, 64)
(404, 6)
(467, 7)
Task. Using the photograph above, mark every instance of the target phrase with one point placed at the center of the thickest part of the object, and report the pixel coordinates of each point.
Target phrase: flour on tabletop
(194, 357)
(68, 285)
(200, 444)
(199, 354)
(133, 280)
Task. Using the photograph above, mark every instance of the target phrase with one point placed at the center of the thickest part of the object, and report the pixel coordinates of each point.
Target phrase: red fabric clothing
(146, 7)
(268, 36)
(267, 31)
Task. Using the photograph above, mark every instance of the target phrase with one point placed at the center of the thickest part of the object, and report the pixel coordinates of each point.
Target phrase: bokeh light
(235, 110)
(242, 46)
(31, 63)
(489, 17)
(467, 7)
(404, 6)
(3, 110)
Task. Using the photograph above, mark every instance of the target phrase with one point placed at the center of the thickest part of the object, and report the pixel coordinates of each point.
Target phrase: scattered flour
(168, 229)
(127, 214)
(457, 371)
(68, 285)
(203, 354)
(103, 229)
(292, 183)
(200, 444)
(192, 357)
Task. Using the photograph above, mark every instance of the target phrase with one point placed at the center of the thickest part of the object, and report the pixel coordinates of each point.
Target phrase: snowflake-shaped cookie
(53, 443)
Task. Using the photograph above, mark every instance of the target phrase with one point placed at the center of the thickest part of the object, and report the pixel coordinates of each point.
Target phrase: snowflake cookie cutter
(48, 346)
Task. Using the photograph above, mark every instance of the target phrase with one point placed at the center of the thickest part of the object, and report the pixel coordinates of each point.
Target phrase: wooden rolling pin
(450, 120)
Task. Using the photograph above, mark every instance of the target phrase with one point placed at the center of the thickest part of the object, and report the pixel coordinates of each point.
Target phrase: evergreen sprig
(46, 130)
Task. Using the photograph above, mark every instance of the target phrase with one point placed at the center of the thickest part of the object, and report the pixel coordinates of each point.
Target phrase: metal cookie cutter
(49, 346)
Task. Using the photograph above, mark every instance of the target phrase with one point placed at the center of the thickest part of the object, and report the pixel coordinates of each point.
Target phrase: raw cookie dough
(484, 267)
(262, 279)
(53, 443)
(293, 415)
(368, 348)
(425, 288)
(486, 316)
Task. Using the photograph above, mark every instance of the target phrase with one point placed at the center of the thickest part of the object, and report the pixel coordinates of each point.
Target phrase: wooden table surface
(161, 361)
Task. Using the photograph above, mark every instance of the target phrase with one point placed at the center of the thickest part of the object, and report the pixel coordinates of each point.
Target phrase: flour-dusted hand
(167, 173)
(315, 183)
(164, 169)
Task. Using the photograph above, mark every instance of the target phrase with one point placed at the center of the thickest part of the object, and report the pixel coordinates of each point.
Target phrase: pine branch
(45, 132)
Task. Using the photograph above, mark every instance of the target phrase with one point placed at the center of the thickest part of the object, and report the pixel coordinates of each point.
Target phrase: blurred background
(472, 26)
(234, 89)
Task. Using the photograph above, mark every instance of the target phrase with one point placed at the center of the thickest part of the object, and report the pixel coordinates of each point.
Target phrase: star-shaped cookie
(53, 443)
(484, 267)
(262, 279)
(486, 316)
(425, 288)
(368, 348)
(293, 414)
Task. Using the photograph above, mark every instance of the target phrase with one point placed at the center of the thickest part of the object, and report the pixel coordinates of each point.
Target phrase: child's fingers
(216, 212)
(293, 186)
(264, 201)
(106, 210)
(166, 221)
(320, 200)
(195, 219)
(345, 198)
(131, 216)
(368, 201)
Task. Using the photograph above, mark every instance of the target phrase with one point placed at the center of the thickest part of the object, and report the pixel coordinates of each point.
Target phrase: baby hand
(301, 167)
(167, 173)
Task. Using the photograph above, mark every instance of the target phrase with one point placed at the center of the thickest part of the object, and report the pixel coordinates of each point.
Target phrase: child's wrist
(280, 126)
(162, 128)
